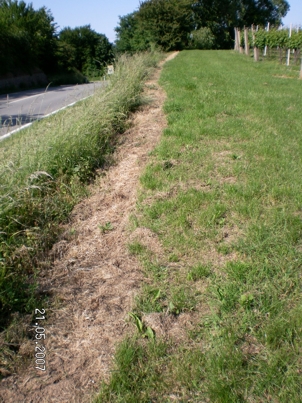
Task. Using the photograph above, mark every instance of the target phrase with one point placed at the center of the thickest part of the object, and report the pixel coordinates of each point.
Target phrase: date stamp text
(40, 350)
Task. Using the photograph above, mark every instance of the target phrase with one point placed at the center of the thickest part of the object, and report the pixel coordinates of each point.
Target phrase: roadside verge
(93, 277)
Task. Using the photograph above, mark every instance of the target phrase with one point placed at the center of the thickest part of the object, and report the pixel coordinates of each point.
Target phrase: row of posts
(246, 48)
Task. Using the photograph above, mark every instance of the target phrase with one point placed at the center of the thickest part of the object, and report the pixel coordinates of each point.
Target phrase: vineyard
(280, 44)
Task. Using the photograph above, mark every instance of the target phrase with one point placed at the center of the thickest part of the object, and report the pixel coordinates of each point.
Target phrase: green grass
(137, 375)
(223, 194)
(43, 172)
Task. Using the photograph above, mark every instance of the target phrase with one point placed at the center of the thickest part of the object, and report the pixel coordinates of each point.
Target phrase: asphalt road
(20, 108)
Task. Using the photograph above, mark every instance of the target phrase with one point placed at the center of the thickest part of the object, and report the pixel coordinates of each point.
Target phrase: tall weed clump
(43, 169)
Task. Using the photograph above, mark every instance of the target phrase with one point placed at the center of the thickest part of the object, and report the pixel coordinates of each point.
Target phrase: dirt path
(94, 276)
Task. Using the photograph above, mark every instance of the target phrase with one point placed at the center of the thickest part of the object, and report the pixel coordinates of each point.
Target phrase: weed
(173, 258)
(198, 272)
(136, 248)
(144, 331)
(106, 227)
(181, 300)
(151, 300)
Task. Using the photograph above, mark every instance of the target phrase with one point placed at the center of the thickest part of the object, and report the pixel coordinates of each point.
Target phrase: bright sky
(102, 15)
(294, 16)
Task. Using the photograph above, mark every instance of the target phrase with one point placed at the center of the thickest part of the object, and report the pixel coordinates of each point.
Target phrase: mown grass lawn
(223, 194)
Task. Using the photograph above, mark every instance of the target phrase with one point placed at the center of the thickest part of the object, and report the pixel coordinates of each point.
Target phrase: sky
(294, 16)
(102, 15)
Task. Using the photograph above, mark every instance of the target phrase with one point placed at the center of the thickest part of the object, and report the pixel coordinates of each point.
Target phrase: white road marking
(45, 116)
(22, 99)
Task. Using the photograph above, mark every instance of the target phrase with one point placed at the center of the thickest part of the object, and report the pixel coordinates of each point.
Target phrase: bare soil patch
(93, 277)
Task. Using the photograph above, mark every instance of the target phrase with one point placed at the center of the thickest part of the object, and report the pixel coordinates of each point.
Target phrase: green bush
(73, 76)
(278, 39)
(203, 38)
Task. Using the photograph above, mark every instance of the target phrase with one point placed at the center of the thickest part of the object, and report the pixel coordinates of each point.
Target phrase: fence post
(296, 51)
(265, 48)
(236, 39)
(256, 50)
(239, 39)
(288, 50)
(246, 41)
(301, 69)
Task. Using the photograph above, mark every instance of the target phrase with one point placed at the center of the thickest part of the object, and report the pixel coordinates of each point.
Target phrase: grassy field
(223, 194)
(43, 171)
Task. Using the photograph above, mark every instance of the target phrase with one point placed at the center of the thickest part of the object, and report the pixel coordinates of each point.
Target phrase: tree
(129, 37)
(238, 13)
(202, 38)
(84, 49)
(163, 23)
(260, 12)
(222, 15)
(28, 36)
(167, 23)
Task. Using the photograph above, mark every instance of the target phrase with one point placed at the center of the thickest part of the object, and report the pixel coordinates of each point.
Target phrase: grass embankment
(223, 194)
(43, 170)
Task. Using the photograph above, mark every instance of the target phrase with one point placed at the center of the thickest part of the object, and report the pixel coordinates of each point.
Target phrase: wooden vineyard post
(246, 41)
(265, 48)
(239, 39)
(236, 47)
(256, 50)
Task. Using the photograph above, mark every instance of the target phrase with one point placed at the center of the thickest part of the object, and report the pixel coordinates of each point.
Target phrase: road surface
(20, 108)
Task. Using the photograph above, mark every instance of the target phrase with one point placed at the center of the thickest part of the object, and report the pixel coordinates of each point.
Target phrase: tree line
(183, 24)
(29, 39)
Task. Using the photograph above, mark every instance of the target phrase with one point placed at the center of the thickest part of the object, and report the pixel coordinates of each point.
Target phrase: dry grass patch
(93, 275)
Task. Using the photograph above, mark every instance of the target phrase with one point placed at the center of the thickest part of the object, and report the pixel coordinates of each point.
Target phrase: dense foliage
(173, 24)
(278, 38)
(84, 49)
(29, 40)
(202, 38)
(129, 37)
(27, 37)
(166, 22)
(162, 23)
